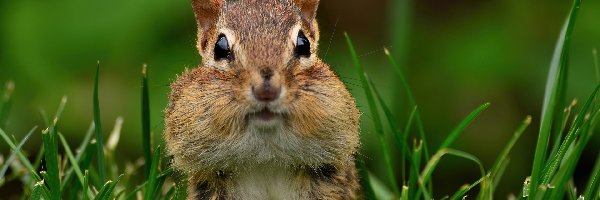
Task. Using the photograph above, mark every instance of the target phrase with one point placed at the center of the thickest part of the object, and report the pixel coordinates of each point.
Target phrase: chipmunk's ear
(207, 13)
(308, 9)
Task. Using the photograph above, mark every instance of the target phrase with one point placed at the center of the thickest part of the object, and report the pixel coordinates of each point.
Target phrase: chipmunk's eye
(222, 48)
(302, 46)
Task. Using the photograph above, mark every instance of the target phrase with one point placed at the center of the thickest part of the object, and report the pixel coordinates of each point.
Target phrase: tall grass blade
(400, 138)
(50, 142)
(74, 162)
(411, 100)
(375, 115)
(392, 120)
(146, 138)
(567, 169)
(85, 185)
(504, 154)
(405, 157)
(461, 127)
(413, 179)
(153, 176)
(51, 158)
(14, 154)
(574, 131)
(6, 103)
(499, 173)
(80, 152)
(98, 126)
(554, 96)
(22, 156)
(558, 135)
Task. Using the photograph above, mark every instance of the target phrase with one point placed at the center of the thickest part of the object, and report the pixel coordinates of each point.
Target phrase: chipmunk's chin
(265, 119)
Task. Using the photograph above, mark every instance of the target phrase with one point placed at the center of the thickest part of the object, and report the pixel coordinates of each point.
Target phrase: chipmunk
(262, 117)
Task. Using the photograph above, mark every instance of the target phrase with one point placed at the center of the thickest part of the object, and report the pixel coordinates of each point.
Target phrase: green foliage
(554, 97)
(98, 126)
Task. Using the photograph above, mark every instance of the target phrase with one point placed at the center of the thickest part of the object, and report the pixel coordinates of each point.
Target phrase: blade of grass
(558, 135)
(6, 103)
(106, 191)
(375, 115)
(80, 152)
(74, 162)
(591, 190)
(152, 180)
(14, 154)
(499, 173)
(404, 157)
(400, 138)
(554, 95)
(435, 159)
(504, 154)
(413, 180)
(85, 185)
(51, 158)
(565, 172)
(411, 100)
(459, 129)
(460, 194)
(146, 140)
(22, 156)
(571, 135)
(98, 126)
(392, 120)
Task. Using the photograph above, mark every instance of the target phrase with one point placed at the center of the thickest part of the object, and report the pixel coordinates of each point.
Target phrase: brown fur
(206, 121)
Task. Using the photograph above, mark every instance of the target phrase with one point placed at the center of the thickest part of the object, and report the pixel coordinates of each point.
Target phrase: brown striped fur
(207, 127)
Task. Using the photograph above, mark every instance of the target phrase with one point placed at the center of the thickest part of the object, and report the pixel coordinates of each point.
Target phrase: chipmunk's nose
(269, 89)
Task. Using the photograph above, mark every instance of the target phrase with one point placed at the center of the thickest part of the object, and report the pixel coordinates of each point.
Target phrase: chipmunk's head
(262, 93)
(263, 42)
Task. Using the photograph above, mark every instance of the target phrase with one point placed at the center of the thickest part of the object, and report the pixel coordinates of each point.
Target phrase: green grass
(91, 171)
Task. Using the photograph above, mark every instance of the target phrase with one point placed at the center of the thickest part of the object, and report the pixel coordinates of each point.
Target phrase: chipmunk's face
(261, 94)
(264, 47)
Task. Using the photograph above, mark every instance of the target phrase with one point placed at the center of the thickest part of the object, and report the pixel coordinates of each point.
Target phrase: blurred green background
(456, 55)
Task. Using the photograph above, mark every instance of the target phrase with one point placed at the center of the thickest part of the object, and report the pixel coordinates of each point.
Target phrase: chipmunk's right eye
(222, 48)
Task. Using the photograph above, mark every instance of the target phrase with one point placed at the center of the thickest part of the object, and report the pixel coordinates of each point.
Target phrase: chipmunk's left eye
(302, 45)
(222, 48)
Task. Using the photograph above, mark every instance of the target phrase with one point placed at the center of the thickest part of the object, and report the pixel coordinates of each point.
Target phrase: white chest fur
(267, 182)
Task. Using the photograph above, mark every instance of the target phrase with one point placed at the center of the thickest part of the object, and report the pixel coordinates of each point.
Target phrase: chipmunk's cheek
(307, 116)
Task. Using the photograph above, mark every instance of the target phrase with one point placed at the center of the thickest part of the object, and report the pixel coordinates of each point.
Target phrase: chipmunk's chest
(266, 182)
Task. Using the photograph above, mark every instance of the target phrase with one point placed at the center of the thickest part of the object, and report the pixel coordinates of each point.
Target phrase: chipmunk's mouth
(265, 114)
(265, 118)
